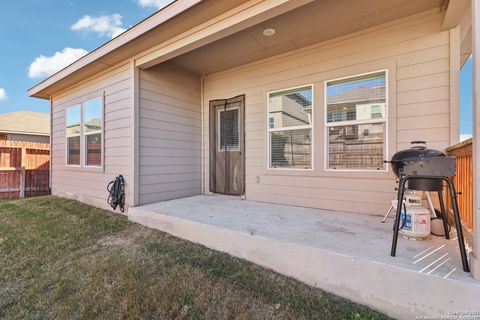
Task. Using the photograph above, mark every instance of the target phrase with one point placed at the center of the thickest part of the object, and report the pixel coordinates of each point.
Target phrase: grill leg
(458, 225)
(396, 226)
(444, 214)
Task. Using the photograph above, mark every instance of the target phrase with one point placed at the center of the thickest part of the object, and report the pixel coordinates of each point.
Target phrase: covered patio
(344, 253)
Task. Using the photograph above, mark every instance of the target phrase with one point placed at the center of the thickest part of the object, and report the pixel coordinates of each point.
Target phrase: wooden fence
(464, 181)
(19, 183)
(24, 169)
(30, 155)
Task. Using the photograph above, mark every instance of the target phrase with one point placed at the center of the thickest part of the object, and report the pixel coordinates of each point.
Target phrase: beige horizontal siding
(416, 53)
(84, 184)
(170, 130)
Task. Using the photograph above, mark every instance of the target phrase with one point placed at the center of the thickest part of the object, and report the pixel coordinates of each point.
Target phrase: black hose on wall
(116, 190)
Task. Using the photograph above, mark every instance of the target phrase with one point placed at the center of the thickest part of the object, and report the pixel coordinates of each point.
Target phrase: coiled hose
(116, 190)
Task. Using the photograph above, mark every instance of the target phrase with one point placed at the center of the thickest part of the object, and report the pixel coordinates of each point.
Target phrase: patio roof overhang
(308, 24)
(194, 31)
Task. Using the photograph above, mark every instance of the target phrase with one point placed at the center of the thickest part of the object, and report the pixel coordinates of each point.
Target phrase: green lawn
(62, 259)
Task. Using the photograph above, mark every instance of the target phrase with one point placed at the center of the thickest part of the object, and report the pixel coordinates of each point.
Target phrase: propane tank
(415, 222)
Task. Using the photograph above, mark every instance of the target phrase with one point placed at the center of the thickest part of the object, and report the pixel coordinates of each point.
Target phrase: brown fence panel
(36, 159)
(464, 180)
(10, 184)
(31, 182)
(10, 157)
(24, 169)
(36, 183)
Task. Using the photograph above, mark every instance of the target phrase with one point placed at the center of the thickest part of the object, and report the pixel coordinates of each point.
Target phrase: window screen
(229, 129)
(73, 150)
(290, 128)
(356, 122)
(291, 148)
(92, 126)
(73, 132)
(93, 149)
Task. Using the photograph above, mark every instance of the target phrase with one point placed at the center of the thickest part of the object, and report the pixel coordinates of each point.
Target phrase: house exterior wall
(86, 184)
(416, 54)
(170, 134)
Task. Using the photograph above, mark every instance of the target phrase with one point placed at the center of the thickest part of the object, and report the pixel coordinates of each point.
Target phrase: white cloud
(110, 25)
(3, 94)
(159, 4)
(465, 136)
(46, 66)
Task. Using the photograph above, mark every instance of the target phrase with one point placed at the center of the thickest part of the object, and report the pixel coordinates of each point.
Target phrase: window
(73, 133)
(271, 122)
(92, 128)
(229, 129)
(356, 122)
(290, 128)
(84, 132)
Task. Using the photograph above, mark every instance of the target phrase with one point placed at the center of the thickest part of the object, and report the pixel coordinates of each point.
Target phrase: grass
(62, 259)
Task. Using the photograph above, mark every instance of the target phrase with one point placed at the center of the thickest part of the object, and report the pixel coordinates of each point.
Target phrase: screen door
(227, 146)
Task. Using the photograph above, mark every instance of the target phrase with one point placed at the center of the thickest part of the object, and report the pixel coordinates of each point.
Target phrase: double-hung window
(84, 130)
(356, 122)
(290, 114)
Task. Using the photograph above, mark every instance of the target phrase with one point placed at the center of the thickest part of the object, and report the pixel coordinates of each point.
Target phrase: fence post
(23, 160)
(22, 182)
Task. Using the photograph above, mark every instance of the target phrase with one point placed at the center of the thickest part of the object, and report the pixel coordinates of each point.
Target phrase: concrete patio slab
(344, 253)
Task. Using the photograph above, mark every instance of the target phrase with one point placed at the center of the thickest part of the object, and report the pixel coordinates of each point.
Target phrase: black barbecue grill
(416, 153)
(423, 169)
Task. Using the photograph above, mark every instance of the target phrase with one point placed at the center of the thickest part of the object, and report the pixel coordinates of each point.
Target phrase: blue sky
(466, 121)
(33, 28)
(30, 29)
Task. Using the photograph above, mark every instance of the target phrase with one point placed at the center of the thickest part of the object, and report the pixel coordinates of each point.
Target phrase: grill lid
(417, 152)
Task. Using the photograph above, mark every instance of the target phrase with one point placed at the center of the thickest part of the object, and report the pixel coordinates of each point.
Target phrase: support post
(475, 258)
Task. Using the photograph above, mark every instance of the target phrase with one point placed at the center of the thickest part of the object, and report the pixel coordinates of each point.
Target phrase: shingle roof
(25, 122)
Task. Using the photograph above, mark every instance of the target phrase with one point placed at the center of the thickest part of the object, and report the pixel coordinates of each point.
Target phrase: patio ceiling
(309, 24)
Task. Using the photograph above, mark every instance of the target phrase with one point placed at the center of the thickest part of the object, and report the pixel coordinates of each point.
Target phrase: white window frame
(384, 120)
(219, 147)
(311, 127)
(79, 106)
(85, 134)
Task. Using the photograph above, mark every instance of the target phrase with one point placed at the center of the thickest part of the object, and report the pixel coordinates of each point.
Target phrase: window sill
(366, 174)
(85, 169)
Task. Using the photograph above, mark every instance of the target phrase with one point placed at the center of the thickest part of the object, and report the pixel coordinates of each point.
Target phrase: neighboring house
(25, 140)
(285, 101)
(26, 126)
(24, 154)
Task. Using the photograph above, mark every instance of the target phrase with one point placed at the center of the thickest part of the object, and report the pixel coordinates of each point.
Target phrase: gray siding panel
(414, 50)
(81, 183)
(170, 130)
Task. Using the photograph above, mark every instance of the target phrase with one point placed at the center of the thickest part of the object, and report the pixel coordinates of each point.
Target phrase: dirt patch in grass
(62, 259)
(126, 238)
